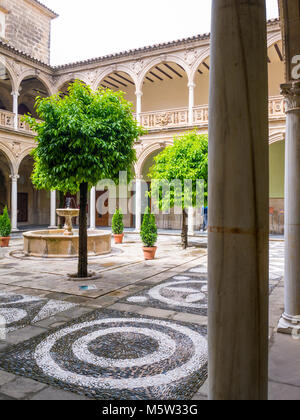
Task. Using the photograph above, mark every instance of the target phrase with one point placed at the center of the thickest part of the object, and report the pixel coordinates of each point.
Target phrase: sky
(93, 28)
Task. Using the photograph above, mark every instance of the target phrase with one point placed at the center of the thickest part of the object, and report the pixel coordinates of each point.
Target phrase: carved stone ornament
(191, 56)
(291, 92)
(137, 66)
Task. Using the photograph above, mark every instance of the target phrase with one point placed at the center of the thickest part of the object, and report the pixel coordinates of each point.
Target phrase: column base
(15, 230)
(52, 227)
(289, 325)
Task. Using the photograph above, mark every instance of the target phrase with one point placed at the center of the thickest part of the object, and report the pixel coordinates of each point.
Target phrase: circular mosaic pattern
(172, 353)
(186, 293)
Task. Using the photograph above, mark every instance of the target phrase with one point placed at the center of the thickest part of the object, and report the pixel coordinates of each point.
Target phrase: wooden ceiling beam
(173, 70)
(155, 75)
(163, 72)
(117, 81)
(124, 78)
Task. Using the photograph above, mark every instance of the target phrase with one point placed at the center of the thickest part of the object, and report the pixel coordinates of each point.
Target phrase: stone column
(191, 221)
(53, 210)
(138, 204)
(191, 87)
(93, 209)
(15, 96)
(238, 202)
(290, 320)
(14, 202)
(139, 95)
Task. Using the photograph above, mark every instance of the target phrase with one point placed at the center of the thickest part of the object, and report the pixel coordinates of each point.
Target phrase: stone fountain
(64, 243)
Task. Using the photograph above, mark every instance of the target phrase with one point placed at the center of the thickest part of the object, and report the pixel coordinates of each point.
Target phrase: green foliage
(149, 230)
(117, 223)
(5, 225)
(84, 136)
(187, 159)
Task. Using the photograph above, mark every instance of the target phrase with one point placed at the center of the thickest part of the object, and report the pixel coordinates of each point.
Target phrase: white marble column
(14, 202)
(191, 87)
(53, 210)
(191, 221)
(139, 95)
(290, 321)
(238, 202)
(15, 96)
(138, 204)
(93, 208)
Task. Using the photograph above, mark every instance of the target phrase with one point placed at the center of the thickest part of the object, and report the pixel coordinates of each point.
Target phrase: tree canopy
(84, 136)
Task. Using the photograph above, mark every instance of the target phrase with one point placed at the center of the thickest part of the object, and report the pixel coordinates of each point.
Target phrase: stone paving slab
(113, 355)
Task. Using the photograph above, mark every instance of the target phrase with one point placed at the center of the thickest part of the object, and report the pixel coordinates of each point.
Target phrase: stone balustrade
(6, 119)
(161, 119)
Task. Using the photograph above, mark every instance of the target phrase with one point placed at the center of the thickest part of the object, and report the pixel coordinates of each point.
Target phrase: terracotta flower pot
(119, 238)
(149, 253)
(4, 242)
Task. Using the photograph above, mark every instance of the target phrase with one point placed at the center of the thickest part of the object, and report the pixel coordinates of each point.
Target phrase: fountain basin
(55, 244)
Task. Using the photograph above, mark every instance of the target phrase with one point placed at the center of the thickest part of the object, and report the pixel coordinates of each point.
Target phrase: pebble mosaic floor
(115, 355)
(18, 310)
(186, 292)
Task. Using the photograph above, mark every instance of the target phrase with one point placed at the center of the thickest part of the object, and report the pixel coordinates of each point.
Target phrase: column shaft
(291, 318)
(53, 210)
(93, 209)
(191, 102)
(15, 96)
(191, 221)
(238, 202)
(14, 202)
(138, 205)
(138, 106)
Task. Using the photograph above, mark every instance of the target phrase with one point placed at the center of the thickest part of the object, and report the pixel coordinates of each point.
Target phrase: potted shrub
(5, 229)
(118, 227)
(149, 236)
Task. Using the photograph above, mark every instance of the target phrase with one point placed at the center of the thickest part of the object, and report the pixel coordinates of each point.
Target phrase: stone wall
(27, 28)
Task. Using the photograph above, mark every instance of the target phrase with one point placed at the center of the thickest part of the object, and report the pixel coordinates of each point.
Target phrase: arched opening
(30, 88)
(5, 172)
(276, 68)
(63, 90)
(171, 221)
(165, 87)
(6, 99)
(33, 205)
(121, 81)
(202, 83)
(277, 177)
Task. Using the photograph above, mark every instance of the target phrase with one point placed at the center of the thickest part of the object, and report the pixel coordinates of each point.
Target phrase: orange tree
(83, 138)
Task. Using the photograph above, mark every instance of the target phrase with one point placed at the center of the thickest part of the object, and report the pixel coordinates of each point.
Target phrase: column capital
(191, 85)
(14, 178)
(291, 92)
(15, 93)
(139, 93)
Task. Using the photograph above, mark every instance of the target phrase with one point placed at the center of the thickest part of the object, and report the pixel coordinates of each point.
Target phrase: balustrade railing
(6, 119)
(160, 119)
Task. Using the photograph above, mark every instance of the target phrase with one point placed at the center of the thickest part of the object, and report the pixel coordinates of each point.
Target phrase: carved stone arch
(25, 152)
(204, 55)
(162, 59)
(276, 137)
(10, 158)
(118, 67)
(69, 78)
(146, 153)
(38, 75)
(11, 72)
(273, 38)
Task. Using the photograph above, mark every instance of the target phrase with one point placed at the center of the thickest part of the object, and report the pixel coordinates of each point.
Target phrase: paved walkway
(139, 332)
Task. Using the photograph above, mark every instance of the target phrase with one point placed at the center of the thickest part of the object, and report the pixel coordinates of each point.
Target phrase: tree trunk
(83, 254)
(184, 233)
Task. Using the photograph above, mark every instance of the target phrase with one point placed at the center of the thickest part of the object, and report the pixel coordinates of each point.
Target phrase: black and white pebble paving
(186, 292)
(111, 355)
(18, 311)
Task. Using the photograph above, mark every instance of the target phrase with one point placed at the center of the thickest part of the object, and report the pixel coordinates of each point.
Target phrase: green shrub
(149, 230)
(117, 223)
(5, 225)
